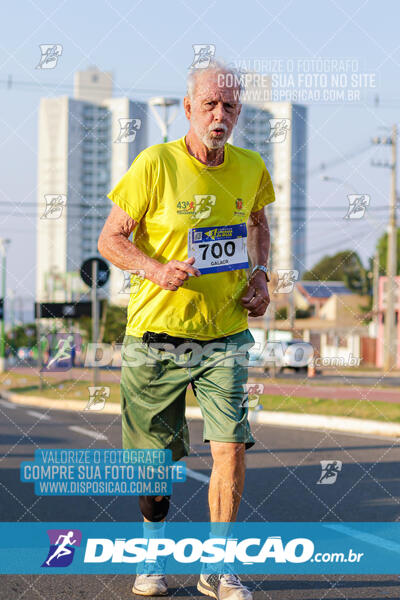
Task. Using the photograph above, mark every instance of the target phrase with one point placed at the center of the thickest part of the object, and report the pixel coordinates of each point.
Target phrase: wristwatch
(260, 268)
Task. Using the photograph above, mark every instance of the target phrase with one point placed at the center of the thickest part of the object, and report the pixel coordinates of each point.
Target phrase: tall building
(86, 144)
(289, 159)
(252, 131)
(278, 130)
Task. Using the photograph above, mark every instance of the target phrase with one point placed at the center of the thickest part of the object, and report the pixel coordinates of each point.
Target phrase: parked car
(279, 355)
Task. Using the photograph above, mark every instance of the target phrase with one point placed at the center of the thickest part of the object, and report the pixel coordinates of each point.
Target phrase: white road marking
(198, 476)
(370, 538)
(38, 415)
(90, 433)
(7, 404)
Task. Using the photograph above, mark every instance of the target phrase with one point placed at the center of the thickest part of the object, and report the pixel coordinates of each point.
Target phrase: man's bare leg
(227, 480)
(224, 495)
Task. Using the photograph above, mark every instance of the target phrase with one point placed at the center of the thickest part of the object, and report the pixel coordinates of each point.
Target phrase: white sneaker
(149, 584)
(223, 587)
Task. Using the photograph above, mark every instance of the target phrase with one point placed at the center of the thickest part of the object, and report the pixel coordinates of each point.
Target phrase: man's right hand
(172, 274)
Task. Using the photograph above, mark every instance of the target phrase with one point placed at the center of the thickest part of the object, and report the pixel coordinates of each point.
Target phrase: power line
(337, 161)
(11, 83)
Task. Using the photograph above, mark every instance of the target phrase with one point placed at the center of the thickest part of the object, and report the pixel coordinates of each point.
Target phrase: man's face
(214, 108)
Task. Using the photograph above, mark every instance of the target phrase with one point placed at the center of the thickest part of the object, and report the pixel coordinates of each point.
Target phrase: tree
(357, 278)
(21, 336)
(382, 252)
(114, 325)
(343, 266)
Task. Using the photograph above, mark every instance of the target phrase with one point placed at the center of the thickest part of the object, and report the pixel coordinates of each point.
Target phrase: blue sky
(148, 46)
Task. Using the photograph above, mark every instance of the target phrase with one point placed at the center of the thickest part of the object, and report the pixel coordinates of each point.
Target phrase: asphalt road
(281, 485)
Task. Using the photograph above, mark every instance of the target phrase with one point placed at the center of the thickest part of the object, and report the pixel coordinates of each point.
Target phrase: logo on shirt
(198, 208)
(185, 207)
(219, 233)
(239, 207)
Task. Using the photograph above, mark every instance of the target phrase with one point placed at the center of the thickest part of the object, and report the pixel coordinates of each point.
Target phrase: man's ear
(187, 105)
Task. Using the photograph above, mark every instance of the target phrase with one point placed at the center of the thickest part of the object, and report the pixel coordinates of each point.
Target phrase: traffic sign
(64, 310)
(103, 271)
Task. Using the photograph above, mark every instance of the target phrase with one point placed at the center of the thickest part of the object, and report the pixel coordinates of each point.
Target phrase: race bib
(219, 249)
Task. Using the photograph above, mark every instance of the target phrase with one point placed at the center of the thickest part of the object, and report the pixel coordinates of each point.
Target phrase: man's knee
(152, 509)
(228, 452)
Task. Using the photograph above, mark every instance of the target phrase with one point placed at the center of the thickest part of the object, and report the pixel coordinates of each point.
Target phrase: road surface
(282, 471)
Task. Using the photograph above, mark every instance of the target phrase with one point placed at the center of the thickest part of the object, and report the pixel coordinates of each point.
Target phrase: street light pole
(165, 121)
(3, 250)
(389, 331)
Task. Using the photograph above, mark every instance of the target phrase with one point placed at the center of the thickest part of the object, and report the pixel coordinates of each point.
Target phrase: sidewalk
(352, 392)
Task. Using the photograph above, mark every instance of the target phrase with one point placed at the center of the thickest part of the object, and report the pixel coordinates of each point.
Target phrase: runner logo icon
(61, 551)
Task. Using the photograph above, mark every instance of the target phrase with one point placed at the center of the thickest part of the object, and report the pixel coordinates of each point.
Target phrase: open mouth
(218, 131)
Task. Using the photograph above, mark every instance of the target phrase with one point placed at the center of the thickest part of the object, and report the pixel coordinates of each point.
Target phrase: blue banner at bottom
(243, 548)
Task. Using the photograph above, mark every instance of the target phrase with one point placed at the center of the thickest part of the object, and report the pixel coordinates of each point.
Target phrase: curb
(260, 417)
(331, 423)
(76, 405)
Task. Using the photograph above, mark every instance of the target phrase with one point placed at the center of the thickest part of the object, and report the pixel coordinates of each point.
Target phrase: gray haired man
(196, 207)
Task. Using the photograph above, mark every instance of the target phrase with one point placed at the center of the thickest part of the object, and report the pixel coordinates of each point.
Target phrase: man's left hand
(256, 298)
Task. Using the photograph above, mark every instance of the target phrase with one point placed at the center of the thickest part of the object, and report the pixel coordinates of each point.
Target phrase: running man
(62, 549)
(202, 189)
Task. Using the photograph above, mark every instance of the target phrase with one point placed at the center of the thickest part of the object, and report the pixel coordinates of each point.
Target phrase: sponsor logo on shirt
(239, 207)
(216, 234)
(185, 207)
(199, 208)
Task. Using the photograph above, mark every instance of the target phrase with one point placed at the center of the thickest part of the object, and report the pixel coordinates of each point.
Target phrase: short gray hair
(218, 66)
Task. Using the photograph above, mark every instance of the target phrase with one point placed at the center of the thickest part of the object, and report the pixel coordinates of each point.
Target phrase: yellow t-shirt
(161, 191)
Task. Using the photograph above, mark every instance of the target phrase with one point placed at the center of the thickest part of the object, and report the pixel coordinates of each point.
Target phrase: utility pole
(375, 285)
(3, 249)
(39, 343)
(389, 338)
(291, 311)
(95, 320)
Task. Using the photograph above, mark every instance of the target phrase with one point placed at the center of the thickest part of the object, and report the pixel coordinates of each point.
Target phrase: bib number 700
(217, 249)
(222, 248)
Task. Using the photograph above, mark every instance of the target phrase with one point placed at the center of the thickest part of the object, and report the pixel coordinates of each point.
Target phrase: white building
(277, 130)
(86, 144)
(289, 159)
